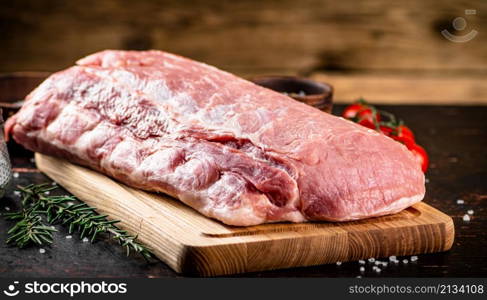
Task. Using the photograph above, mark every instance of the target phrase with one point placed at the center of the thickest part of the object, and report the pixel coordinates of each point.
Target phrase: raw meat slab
(236, 152)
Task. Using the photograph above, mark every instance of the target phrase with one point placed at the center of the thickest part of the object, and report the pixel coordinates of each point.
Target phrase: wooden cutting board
(193, 244)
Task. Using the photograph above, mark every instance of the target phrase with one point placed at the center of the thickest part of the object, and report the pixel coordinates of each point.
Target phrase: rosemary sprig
(37, 203)
(30, 229)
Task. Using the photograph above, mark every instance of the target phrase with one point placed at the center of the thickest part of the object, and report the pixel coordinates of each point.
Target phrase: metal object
(5, 167)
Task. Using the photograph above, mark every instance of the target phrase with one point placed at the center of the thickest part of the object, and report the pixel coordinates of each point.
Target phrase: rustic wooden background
(387, 51)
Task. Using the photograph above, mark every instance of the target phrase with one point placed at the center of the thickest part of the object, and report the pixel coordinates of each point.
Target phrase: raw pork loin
(230, 149)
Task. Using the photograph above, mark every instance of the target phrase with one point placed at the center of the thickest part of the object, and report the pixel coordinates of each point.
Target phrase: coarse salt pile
(393, 259)
(378, 266)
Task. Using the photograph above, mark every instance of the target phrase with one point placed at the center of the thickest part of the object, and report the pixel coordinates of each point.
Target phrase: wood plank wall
(375, 40)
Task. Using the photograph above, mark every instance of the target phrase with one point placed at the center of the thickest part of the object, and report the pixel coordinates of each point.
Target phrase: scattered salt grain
(427, 180)
(339, 263)
(470, 211)
(53, 227)
(53, 183)
(46, 193)
(69, 237)
(17, 193)
(378, 262)
(85, 240)
(405, 261)
(42, 251)
(414, 258)
(7, 208)
(384, 264)
(377, 270)
(362, 262)
(362, 269)
(16, 174)
(359, 276)
(32, 160)
(371, 260)
(460, 201)
(466, 218)
(392, 258)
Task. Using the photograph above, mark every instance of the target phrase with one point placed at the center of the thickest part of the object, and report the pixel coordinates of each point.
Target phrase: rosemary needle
(38, 205)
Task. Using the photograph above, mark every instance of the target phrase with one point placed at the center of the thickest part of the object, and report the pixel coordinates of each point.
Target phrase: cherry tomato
(404, 131)
(401, 133)
(420, 155)
(386, 130)
(368, 114)
(368, 118)
(367, 123)
(403, 139)
(352, 110)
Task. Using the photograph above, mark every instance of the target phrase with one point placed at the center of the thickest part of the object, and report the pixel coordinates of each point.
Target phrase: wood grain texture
(193, 244)
(248, 37)
(407, 89)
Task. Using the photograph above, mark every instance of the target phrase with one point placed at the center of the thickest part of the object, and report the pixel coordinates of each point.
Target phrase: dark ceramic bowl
(314, 93)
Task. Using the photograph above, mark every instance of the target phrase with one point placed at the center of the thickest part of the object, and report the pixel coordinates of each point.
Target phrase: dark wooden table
(455, 137)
